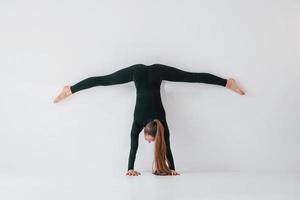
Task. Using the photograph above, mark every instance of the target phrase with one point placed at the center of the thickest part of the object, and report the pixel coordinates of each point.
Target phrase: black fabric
(147, 80)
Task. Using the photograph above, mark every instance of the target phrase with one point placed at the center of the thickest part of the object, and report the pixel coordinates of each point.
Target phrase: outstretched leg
(170, 73)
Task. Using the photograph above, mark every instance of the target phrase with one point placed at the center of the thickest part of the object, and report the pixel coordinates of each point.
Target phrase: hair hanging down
(161, 164)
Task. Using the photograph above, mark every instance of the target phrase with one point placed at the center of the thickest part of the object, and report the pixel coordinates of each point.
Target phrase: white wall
(47, 44)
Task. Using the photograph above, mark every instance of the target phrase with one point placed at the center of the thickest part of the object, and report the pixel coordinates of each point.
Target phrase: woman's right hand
(131, 172)
(66, 91)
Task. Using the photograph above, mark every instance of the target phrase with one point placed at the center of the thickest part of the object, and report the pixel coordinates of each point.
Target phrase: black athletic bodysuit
(147, 80)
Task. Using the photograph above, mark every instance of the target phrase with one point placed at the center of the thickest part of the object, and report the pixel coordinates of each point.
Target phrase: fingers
(136, 173)
(132, 173)
(174, 173)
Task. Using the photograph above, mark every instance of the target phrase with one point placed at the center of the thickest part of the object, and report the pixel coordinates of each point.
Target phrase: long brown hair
(161, 164)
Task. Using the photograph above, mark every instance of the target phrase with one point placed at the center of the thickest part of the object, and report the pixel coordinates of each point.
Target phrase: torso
(147, 80)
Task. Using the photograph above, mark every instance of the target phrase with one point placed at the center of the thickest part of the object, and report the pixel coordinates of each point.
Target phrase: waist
(148, 93)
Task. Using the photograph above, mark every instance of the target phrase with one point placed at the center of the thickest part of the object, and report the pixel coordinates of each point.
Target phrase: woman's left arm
(169, 152)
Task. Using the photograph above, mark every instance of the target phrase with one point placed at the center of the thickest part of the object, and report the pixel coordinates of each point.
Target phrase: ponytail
(161, 163)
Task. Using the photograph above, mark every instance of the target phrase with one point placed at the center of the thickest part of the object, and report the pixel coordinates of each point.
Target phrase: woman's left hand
(174, 173)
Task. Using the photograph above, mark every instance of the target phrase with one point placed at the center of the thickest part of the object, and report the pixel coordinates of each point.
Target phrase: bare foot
(66, 91)
(232, 85)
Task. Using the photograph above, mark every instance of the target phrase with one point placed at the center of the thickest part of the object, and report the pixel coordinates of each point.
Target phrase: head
(154, 132)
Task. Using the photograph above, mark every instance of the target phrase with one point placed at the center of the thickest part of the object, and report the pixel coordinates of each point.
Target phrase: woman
(149, 113)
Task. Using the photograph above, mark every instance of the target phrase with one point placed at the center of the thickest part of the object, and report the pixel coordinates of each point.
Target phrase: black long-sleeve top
(147, 80)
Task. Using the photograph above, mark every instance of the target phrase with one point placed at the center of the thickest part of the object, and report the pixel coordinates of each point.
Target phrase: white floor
(202, 185)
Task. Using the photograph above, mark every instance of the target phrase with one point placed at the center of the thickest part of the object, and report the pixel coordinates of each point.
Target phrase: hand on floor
(131, 172)
(174, 173)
